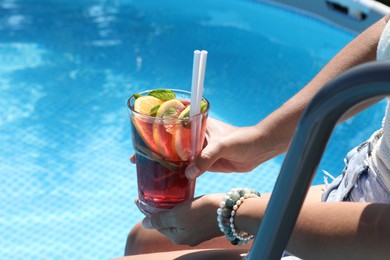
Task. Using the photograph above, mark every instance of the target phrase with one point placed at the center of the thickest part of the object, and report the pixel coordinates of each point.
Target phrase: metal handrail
(308, 144)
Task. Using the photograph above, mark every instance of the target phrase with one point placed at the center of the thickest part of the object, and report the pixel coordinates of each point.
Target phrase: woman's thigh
(193, 254)
(143, 241)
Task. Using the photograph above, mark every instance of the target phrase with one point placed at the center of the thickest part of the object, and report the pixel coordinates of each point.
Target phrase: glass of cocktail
(162, 132)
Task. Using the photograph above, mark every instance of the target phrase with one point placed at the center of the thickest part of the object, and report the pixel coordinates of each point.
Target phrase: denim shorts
(359, 181)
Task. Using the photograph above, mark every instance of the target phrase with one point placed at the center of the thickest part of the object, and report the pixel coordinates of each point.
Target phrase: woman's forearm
(277, 129)
(329, 230)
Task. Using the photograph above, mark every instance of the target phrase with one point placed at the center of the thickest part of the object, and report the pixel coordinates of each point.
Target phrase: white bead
(234, 195)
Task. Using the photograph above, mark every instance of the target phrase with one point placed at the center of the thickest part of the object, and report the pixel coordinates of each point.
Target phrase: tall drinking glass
(163, 150)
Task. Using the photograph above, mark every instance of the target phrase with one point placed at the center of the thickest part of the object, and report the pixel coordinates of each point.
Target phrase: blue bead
(225, 213)
(229, 203)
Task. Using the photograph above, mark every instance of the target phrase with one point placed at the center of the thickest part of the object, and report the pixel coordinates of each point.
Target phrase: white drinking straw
(198, 73)
(202, 70)
(195, 78)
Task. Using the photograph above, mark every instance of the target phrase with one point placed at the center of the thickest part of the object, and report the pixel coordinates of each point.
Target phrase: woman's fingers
(208, 157)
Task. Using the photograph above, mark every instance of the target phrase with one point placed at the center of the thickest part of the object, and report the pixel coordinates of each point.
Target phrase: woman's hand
(190, 222)
(229, 149)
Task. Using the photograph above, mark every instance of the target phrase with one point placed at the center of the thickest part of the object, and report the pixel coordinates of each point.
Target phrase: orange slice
(164, 128)
(144, 128)
(143, 125)
(182, 137)
(170, 109)
(144, 104)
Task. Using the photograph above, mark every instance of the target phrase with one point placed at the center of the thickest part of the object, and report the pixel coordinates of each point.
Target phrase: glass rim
(155, 118)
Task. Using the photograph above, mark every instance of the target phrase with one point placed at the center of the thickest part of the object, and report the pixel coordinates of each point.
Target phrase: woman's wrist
(227, 211)
(262, 143)
(274, 132)
(252, 145)
(250, 214)
(213, 201)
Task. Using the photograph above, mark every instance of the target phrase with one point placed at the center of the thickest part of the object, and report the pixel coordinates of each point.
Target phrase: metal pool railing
(310, 139)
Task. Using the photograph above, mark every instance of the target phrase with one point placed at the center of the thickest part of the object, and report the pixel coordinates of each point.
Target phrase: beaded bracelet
(226, 211)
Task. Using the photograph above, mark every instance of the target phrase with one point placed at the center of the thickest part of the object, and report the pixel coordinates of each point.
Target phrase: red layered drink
(162, 131)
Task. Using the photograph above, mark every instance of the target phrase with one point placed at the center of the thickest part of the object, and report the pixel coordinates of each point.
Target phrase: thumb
(147, 222)
(156, 221)
(152, 221)
(201, 164)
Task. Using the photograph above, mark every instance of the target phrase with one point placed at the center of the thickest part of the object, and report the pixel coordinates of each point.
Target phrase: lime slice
(185, 112)
(163, 129)
(170, 109)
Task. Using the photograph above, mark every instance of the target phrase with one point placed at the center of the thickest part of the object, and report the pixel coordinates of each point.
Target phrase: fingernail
(192, 172)
(147, 223)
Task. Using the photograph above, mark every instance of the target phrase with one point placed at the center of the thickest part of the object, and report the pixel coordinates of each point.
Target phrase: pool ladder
(352, 15)
(308, 144)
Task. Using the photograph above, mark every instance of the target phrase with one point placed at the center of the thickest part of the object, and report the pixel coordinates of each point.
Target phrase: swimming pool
(67, 69)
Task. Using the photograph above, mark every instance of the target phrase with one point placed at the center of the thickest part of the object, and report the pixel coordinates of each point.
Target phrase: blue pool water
(66, 71)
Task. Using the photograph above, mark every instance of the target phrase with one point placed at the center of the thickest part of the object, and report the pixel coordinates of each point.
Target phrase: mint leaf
(163, 94)
(153, 111)
(137, 96)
